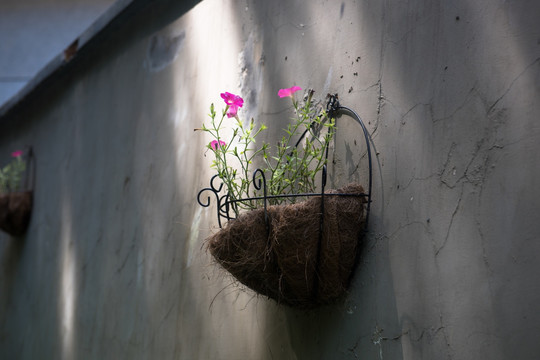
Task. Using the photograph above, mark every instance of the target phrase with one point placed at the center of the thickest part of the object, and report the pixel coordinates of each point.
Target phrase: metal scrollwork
(225, 204)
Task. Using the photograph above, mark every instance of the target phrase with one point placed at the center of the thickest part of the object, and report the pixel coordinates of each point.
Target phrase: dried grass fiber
(290, 262)
(15, 211)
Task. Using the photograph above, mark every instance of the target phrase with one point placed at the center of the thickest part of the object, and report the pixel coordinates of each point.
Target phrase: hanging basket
(302, 254)
(16, 207)
(15, 210)
(297, 260)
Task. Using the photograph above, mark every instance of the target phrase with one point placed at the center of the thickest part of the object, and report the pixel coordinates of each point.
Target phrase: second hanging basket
(16, 206)
(15, 210)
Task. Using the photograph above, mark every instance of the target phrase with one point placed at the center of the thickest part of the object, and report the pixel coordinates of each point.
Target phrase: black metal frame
(224, 205)
(30, 178)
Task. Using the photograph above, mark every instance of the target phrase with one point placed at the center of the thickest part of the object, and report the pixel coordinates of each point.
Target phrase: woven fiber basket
(15, 211)
(290, 260)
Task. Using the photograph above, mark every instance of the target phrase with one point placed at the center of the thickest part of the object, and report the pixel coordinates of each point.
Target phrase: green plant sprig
(11, 174)
(292, 167)
(237, 181)
(295, 168)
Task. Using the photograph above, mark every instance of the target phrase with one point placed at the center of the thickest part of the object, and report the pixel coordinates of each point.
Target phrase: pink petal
(284, 93)
(231, 99)
(17, 153)
(233, 110)
(215, 145)
(288, 92)
(238, 101)
(295, 89)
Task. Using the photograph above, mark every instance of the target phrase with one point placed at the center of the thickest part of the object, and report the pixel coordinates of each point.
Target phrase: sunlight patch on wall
(66, 300)
(194, 236)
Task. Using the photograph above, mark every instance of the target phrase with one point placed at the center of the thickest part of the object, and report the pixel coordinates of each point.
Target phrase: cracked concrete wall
(112, 265)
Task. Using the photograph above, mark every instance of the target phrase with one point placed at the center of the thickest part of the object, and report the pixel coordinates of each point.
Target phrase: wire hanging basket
(302, 254)
(16, 205)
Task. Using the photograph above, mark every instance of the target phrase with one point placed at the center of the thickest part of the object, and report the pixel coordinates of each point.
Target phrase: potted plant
(15, 196)
(285, 237)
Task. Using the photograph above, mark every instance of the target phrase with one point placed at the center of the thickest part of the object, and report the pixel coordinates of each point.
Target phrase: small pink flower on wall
(288, 92)
(17, 153)
(215, 144)
(233, 101)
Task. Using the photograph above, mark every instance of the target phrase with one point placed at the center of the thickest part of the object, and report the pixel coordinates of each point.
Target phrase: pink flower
(17, 153)
(215, 144)
(288, 92)
(234, 102)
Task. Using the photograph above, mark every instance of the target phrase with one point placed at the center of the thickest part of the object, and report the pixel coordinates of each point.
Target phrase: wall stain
(163, 50)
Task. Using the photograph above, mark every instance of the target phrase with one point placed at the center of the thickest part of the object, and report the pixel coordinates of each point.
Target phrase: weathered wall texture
(112, 266)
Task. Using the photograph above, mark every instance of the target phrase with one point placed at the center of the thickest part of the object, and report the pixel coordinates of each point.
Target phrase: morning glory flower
(234, 102)
(288, 92)
(215, 144)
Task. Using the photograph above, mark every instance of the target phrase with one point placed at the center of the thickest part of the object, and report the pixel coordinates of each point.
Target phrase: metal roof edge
(119, 12)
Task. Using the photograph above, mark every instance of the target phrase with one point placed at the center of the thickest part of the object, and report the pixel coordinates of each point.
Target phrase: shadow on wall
(11, 258)
(100, 259)
(426, 82)
(448, 89)
(301, 46)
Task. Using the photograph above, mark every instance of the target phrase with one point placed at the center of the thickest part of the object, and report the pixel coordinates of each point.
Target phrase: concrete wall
(113, 265)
